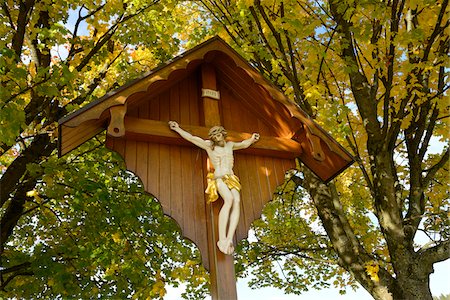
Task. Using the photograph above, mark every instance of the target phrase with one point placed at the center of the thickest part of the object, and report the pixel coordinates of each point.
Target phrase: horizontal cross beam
(158, 131)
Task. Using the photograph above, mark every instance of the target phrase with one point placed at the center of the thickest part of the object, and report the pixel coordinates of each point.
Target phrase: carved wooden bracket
(116, 125)
(314, 141)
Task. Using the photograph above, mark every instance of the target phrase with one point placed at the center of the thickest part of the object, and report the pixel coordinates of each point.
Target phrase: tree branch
(15, 185)
(18, 167)
(11, 277)
(431, 172)
(437, 30)
(429, 133)
(22, 19)
(436, 254)
(109, 34)
(359, 83)
(72, 50)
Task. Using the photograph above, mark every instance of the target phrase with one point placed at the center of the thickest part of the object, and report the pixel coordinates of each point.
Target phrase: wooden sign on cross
(206, 86)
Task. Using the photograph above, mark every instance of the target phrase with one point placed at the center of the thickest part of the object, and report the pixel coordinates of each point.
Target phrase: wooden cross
(209, 85)
(221, 266)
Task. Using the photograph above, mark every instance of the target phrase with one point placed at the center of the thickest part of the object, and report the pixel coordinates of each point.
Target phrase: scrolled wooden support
(116, 125)
(316, 148)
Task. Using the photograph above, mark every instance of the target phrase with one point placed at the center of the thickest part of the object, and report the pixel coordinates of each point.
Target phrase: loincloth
(231, 180)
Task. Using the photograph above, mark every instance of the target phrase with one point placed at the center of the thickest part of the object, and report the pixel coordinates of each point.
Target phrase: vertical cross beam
(221, 266)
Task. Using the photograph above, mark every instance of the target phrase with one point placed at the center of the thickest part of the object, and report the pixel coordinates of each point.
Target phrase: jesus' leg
(225, 245)
(234, 218)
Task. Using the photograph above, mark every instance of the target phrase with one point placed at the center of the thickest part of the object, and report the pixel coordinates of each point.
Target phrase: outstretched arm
(246, 143)
(199, 142)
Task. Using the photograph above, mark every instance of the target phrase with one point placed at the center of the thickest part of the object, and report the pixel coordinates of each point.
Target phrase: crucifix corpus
(208, 85)
(222, 181)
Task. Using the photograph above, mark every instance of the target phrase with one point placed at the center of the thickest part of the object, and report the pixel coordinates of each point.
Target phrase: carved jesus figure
(223, 180)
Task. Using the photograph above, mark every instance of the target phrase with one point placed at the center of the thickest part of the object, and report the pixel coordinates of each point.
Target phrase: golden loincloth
(232, 182)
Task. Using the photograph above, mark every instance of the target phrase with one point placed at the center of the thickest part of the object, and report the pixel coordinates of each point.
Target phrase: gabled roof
(321, 153)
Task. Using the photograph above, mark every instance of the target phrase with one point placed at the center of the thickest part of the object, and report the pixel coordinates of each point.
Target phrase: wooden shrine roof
(319, 151)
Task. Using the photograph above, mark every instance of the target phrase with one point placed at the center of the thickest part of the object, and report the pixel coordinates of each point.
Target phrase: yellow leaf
(159, 289)
(31, 193)
(51, 282)
(372, 270)
(116, 237)
(32, 68)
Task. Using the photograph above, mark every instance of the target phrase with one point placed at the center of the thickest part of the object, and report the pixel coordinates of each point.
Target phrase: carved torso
(222, 159)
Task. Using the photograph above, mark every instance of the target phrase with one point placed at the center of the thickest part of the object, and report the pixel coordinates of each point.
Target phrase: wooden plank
(154, 109)
(200, 208)
(176, 196)
(242, 120)
(246, 197)
(263, 129)
(92, 112)
(263, 173)
(71, 138)
(174, 103)
(109, 142)
(187, 173)
(70, 133)
(194, 99)
(130, 155)
(176, 203)
(142, 162)
(279, 170)
(153, 172)
(159, 131)
(144, 108)
(184, 96)
(133, 111)
(164, 109)
(256, 194)
(119, 147)
(289, 164)
(272, 179)
(250, 123)
(164, 178)
(188, 210)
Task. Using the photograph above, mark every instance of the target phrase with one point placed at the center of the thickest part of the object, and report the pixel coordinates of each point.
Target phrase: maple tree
(80, 226)
(373, 73)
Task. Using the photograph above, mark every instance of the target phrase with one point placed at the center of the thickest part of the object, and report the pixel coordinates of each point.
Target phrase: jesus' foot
(226, 246)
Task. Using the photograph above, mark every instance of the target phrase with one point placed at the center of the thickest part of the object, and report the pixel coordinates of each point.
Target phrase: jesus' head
(217, 134)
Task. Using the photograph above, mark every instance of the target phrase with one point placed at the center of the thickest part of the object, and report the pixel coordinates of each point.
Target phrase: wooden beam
(210, 105)
(159, 131)
(221, 266)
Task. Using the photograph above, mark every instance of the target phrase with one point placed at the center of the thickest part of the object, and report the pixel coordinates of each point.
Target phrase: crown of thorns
(217, 129)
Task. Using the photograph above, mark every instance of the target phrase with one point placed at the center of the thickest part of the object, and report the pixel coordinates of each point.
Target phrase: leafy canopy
(81, 226)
